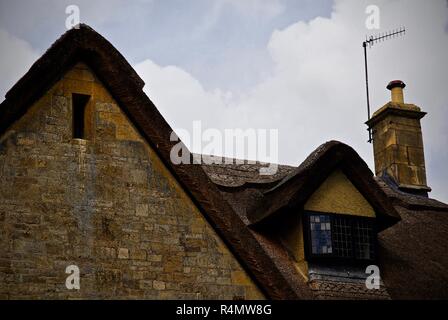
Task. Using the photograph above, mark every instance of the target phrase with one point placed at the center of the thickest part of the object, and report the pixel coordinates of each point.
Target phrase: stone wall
(398, 145)
(107, 205)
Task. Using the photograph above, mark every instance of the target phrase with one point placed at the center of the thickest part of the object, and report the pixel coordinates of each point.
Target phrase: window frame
(80, 125)
(332, 257)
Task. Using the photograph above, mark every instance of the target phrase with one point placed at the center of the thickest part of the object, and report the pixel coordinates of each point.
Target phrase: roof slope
(413, 259)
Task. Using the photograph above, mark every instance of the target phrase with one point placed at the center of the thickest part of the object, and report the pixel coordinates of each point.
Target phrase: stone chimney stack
(398, 142)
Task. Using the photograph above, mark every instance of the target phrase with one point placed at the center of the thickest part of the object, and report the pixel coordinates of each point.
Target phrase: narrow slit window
(79, 105)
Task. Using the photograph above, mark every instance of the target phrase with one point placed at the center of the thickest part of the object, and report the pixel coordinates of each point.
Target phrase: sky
(292, 65)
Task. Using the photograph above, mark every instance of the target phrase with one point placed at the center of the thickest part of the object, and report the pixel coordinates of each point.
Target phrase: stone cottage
(87, 181)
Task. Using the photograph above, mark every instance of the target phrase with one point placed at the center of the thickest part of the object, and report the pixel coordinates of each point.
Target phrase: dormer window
(340, 237)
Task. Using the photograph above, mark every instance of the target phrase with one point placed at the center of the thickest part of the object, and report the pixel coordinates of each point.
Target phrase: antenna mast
(370, 42)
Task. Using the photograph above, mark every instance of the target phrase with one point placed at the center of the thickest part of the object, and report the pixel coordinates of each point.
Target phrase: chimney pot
(396, 87)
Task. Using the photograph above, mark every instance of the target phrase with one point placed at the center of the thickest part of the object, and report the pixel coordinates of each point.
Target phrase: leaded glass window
(320, 234)
(341, 236)
(363, 240)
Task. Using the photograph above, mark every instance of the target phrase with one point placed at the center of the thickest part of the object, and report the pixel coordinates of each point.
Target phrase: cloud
(17, 56)
(256, 9)
(316, 91)
(183, 95)
(265, 8)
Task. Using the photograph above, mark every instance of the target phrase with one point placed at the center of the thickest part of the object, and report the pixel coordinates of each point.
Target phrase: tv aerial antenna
(370, 41)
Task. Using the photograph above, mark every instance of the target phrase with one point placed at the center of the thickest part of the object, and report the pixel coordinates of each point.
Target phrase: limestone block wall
(398, 147)
(107, 205)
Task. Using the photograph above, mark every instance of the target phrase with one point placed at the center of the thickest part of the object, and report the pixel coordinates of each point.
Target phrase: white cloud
(184, 96)
(16, 58)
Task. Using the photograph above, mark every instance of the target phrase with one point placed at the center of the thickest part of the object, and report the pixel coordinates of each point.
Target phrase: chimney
(398, 142)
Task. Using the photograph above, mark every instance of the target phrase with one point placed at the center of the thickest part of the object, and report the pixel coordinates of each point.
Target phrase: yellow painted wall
(338, 195)
(292, 237)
